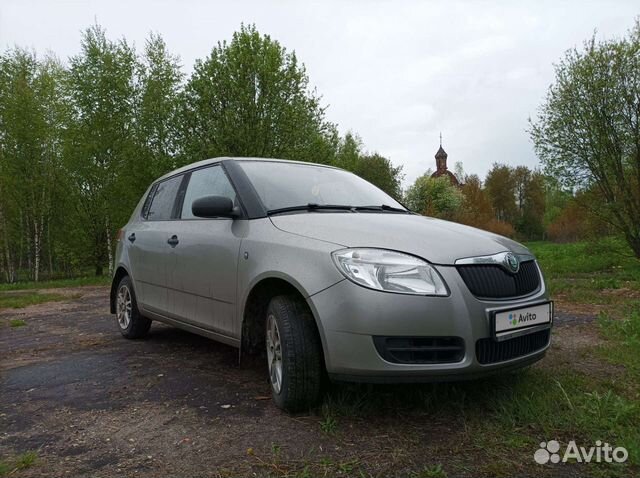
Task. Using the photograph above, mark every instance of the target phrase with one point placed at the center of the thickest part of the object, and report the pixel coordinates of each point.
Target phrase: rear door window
(211, 181)
(164, 199)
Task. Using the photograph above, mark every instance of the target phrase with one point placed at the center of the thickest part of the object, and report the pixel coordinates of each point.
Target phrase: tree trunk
(36, 251)
(21, 248)
(49, 246)
(109, 247)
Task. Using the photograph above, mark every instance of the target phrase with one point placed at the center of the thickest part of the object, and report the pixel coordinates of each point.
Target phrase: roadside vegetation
(23, 299)
(22, 294)
(56, 284)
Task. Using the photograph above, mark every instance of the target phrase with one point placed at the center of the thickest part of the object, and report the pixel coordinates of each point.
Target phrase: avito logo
(515, 319)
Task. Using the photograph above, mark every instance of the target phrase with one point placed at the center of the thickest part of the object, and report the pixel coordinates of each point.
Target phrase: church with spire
(441, 166)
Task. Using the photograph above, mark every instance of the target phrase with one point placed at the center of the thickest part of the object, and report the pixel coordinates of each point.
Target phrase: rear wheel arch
(117, 277)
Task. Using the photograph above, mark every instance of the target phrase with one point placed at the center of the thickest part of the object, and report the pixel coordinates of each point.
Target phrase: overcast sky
(396, 72)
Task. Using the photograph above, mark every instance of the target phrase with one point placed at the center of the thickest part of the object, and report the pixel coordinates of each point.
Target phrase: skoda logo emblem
(512, 263)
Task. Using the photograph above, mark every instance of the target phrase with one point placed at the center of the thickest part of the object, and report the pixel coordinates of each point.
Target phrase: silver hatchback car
(327, 275)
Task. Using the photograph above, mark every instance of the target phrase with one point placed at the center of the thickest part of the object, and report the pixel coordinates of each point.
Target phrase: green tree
(251, 97)
(501, 188)
(31, 112)
(587, 132)
(435, 197)
(530, 224)
(100, 140)
(373, 167)
(157, 116)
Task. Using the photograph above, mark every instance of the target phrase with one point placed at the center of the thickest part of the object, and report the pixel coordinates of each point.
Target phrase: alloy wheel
(124, 307)
(274, 353)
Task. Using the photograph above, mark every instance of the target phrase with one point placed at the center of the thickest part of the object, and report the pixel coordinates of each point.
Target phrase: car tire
(132, 325)
(292, 339)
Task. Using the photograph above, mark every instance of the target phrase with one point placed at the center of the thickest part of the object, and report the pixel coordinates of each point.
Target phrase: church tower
(441, 165)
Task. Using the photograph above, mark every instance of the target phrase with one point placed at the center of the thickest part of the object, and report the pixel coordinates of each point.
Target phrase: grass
(329, 424)
(20, 462)
(602, 273)
(58, 283)
(16, 301)
(17, 323)
(26, 460)
(435, 471)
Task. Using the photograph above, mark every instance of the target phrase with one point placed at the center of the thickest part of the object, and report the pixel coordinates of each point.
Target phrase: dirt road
(90, 403)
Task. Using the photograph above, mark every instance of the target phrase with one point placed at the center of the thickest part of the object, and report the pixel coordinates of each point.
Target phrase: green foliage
(31, 111)
(500, 184)
(373, 167)
(250, 97)
(517, 196)
(79, 144)
(158, 125)
(434, 197)
(100, 140)
(587, 132)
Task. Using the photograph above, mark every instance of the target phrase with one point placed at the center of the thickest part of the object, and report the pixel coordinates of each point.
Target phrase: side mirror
(214, 206)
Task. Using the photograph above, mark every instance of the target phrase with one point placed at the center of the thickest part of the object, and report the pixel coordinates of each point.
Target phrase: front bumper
(349, 316)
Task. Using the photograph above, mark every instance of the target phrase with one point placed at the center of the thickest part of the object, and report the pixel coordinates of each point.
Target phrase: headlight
(389, 271)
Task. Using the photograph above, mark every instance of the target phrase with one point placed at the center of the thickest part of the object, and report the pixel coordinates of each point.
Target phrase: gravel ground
(174, 404)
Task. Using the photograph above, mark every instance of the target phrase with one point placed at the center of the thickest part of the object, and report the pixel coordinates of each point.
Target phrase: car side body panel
(267, 252)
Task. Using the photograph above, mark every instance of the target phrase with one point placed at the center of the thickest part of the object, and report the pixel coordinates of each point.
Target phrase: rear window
(164, 198)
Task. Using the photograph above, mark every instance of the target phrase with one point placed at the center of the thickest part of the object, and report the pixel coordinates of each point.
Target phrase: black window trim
(144, 212)
(251, 205)
(180, 203)
(249, 199)
(153, 191)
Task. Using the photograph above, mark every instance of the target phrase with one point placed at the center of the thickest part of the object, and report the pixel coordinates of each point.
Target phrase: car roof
(207, 162)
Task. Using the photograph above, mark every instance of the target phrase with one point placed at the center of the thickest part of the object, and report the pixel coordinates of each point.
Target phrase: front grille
(491, 281)
(418, 350)
(489, 351)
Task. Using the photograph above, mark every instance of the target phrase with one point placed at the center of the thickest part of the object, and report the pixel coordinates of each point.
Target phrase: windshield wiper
(311, 207)
(382, 207)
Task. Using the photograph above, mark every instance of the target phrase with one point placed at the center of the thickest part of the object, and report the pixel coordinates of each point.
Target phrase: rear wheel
(132, 325)
(294, 354)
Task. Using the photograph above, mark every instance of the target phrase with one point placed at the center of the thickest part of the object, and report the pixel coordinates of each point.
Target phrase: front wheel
(132, 325)
(294, 354)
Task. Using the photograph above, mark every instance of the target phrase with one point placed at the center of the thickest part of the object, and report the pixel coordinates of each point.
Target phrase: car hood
(438, 241)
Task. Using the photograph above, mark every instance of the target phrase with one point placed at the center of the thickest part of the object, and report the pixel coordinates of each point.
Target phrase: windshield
(284, 185)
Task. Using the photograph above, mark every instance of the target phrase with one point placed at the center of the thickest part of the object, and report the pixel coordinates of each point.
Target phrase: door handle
(132, 237)
(173, 241)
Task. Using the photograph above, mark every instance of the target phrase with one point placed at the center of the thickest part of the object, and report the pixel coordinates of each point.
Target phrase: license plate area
(516, 321)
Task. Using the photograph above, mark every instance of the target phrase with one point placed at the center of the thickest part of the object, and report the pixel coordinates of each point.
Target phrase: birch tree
(31, 112)
(100, 140)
